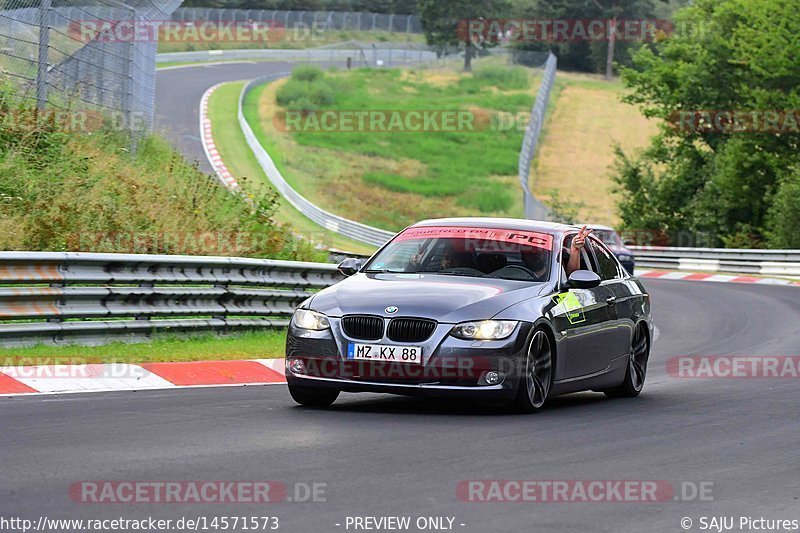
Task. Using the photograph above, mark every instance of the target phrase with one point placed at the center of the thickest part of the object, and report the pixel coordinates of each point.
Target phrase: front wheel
(637, 366)
(537, 374)
(313, 397)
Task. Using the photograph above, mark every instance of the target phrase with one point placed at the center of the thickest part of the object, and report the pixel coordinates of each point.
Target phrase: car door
(618, 297)
(581, 318)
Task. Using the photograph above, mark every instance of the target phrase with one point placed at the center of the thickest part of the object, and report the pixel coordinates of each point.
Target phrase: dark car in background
(614, 242)
(474, 307)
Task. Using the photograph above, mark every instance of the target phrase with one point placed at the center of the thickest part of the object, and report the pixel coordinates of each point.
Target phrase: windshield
(609, 237)
(464, 251)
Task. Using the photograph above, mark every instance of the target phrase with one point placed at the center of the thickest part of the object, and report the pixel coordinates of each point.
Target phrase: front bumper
(451, 367)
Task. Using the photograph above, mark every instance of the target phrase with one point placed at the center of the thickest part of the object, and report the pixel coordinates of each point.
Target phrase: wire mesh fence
(297, 20)
(73, 55)
(533, 207)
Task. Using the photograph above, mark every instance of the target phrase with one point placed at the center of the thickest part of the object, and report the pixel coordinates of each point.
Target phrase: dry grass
(577, 150)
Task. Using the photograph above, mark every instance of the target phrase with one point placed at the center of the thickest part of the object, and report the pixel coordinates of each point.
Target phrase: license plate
(385, 352)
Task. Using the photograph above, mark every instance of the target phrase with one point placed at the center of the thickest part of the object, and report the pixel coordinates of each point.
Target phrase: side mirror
(583, 279)
(629, 243)
(350, 266)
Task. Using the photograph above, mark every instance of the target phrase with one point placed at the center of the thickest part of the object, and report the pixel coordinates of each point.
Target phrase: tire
(637, 366)
(313, 397)
(536, 380)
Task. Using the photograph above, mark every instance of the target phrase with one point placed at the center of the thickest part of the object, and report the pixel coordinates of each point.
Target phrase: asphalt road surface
(178, 95)
(395, 456)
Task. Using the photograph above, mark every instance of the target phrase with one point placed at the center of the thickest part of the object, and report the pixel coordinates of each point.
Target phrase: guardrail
(738, 261)
(91, 298)
(349, 228)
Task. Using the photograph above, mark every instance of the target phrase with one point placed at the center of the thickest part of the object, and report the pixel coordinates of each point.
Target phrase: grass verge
(211, 347)
(389, 179)
(232, 146)
(577, 147)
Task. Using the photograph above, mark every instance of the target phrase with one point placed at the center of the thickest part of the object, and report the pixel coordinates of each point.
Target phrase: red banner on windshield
(523, 238)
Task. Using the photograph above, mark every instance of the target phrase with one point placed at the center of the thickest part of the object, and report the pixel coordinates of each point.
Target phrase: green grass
(84, 190)
(254, 345)
(392, 179)
(458, 162)
(242, 163)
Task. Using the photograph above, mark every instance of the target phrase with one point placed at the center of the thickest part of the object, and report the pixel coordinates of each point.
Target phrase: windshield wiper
(455, 273)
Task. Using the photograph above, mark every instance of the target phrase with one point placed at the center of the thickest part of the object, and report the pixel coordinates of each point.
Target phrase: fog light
(493, 378)
(297, 366)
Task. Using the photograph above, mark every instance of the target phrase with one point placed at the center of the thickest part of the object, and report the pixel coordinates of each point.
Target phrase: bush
(784, 215)
(309, 73)
(306, 90)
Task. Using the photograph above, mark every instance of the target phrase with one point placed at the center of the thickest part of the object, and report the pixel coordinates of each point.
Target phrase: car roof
(491, 222)
(597, 227)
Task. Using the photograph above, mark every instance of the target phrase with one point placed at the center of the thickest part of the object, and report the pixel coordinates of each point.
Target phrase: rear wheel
(637, 366)
(537, 374)
(313, 397)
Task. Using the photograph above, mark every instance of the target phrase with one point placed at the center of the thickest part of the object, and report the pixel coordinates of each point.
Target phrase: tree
(594, 55)
(445, 23)
(728, 58)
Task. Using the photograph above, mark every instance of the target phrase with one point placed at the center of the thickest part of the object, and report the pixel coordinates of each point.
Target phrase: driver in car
(450, 259)
(537, 259)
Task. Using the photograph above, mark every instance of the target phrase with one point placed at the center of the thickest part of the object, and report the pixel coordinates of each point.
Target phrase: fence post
(44, 45)
(127, 77)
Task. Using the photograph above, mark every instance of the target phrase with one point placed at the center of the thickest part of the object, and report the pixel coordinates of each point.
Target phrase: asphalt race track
(178, 94)
(383, 455)
(393, 456)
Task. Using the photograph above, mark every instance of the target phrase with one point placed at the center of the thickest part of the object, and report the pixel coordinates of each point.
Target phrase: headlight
(623, 257)
(485, 330)
(305, 319)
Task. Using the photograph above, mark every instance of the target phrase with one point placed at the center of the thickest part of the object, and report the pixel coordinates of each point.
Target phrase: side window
(607, 266)
(587, 260)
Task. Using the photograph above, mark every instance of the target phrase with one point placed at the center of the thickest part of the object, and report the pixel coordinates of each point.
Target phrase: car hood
(448, 299)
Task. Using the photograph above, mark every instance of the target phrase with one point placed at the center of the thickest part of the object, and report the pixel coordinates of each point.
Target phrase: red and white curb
(212, 154)
(59, 379)
(714, 277)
